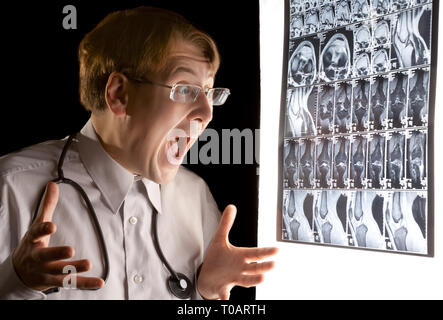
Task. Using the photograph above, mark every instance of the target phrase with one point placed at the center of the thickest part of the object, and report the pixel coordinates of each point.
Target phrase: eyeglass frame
(206, 91)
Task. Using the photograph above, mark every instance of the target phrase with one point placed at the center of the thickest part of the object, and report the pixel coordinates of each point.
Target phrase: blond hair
(135, 42)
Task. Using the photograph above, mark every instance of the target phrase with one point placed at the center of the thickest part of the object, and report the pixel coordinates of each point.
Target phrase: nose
(202, 110)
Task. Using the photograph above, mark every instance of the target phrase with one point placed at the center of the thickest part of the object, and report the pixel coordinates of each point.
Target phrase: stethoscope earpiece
(181, 287)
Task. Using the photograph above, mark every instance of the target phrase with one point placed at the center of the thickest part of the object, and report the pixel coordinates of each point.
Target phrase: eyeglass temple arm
(152, 82)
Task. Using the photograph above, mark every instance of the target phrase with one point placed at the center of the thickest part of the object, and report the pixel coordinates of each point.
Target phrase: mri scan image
(378, 111)
(376, 161)
(306, 166)
(416, 171)
(323, 163)
(330, 217)
(325, 113)
(341, 162)
(360, 9)
(362, 65)
(398, 88)
(380, 61)
(342, 114)
(380, 7)
(298, 215)
(311, 21)
(381, 33)
(408, 43)
(335, 59)
(406, 218)
(362, 37)
(418, 98)
(366, 219)
(342, 13)
(360, 116)
(291, 163)
(296, 26)
(327, 17)
(400, 4)
(358, 162)
(396, 160)
(356, 126)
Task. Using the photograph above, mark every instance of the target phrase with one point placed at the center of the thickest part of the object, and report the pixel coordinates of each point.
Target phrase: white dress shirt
(187, 219)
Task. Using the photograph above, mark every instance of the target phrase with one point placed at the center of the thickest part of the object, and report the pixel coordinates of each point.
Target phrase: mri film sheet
(356, 142)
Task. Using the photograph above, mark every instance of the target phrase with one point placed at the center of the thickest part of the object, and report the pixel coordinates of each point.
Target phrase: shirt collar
(113, 180)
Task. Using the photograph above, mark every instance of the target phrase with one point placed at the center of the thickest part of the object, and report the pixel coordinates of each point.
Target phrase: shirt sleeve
(211, 219)
(11, 229)
(12, 288)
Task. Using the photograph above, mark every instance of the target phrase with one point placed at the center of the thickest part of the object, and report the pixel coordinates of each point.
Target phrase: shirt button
(133, 220)
(138, 279)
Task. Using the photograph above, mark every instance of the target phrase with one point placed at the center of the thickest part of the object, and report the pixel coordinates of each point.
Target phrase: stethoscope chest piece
(182, 289)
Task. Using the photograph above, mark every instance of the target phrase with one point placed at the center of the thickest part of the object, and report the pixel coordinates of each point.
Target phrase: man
(147, 77)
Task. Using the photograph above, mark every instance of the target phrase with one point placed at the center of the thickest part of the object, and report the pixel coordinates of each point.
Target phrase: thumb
(226, 222)
(49, 203)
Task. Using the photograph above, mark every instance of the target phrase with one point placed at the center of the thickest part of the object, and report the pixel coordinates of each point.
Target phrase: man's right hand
(39, 266)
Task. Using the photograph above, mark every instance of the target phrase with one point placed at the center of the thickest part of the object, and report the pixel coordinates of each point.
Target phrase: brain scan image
(378, 111)
(417, 159)
(323, 163)
(291, 163)
(396, 156)
(296, 26)
(376, 157)
(298, 214)
(325, 111)
(329, 226)
(400, 4)
(360, 115)
(366, 220)
(311, 21)
(397, 101)
(327, 17)
(342, 13)
(406, 222)
(343, 96)
(380, 7)
(358, 162)
(410, 47)
(335, 60)
(380, 61)
(381, 33)
(360, 9)
(362, 65)
(362, 37)
(341, 157)
(418, 97)
(306, 168)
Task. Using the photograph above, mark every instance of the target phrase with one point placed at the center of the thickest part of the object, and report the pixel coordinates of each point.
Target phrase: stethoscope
(178, 284)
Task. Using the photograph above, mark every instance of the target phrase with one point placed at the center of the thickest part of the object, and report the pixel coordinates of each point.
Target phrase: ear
(116, 93)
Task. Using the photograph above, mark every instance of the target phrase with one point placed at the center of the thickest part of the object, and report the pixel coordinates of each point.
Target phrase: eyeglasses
(188, 93)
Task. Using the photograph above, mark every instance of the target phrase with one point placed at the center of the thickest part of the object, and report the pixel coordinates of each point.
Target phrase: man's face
(160, 131)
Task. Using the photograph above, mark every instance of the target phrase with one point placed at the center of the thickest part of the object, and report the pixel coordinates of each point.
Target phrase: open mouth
(176, 149)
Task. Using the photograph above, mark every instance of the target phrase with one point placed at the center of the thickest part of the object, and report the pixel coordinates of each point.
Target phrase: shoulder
(32, 158)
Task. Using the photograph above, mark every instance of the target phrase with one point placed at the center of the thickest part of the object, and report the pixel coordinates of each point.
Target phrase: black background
(40, 101)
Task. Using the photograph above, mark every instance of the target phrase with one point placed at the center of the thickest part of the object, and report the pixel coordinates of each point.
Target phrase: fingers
(255, 254)
(50, 200)
(40, 230)
(53, 254)
(59, 268)
(76, 282)
(258, 268)
(250, 281)
(226, 222)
